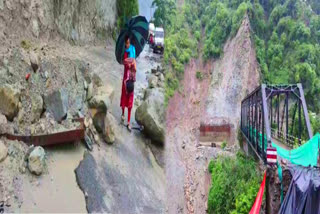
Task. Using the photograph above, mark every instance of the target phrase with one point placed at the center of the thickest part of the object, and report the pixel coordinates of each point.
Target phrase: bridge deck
(282, 145)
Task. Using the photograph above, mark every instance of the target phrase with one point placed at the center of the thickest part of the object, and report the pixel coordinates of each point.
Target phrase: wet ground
(124, 177)
(121, 178)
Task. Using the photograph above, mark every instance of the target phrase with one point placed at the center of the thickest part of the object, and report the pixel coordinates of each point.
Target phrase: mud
(186, 161)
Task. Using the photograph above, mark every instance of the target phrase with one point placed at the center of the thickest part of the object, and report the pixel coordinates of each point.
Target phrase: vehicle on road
(158, 40)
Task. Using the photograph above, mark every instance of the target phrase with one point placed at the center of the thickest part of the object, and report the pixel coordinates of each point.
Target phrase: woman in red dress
(129, 65)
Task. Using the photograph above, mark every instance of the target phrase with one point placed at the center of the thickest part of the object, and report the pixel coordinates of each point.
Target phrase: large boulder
(57, 103)
(36, 160)
(101, 101)
(3, 151)
(109, 131)
(9, 102)
(151, 114)
(105, 125)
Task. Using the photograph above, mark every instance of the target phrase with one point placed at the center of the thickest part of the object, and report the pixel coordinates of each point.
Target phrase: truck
(158, 40)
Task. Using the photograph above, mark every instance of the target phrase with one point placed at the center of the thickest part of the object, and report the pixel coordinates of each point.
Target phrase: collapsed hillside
(77, 21)
(234, 75)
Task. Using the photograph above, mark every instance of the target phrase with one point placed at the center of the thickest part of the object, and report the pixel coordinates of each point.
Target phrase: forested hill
(286, 34)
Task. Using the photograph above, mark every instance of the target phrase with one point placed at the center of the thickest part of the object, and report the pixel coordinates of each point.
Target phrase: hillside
(216, 53)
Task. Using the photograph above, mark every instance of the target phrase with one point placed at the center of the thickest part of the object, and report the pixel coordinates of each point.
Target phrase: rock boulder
(9, 102)
(36, 160)
(101, 101)
(57, 103)
(105, 125)
(151, 114)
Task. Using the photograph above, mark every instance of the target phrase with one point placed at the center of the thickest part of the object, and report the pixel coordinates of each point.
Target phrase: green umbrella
(137, 28)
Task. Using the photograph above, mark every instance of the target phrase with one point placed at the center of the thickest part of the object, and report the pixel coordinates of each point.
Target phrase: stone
(101, 101)
(98, 121)
(36, 160)
(153, 81)
(105, 125)
(9, 102)
(151, 114)
(109, 131)
(57, 103)
(36, 107)
(5, 127)
(3, 151)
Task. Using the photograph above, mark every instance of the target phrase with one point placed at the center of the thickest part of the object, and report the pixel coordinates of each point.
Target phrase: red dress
(126, 99)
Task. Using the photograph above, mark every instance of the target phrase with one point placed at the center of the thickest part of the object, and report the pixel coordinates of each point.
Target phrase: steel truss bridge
(275, 113)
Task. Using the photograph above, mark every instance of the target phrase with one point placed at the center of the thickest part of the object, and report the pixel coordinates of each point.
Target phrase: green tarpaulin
(305, 155)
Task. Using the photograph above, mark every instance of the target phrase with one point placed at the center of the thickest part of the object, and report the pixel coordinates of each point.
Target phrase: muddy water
(57, 189)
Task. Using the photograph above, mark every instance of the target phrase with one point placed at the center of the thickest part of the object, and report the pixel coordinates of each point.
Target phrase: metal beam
(305, 111)
(265, 113)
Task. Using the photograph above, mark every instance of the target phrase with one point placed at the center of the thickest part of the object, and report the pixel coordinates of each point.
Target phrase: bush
(235, 183)
(197, 35)
(126, 9)
(199, 75)
(224, 144)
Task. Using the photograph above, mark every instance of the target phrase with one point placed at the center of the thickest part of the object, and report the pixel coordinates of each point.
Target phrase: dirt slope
(233, 76)
(197, 101)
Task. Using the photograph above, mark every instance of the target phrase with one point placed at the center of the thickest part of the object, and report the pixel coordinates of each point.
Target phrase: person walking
(127, 93)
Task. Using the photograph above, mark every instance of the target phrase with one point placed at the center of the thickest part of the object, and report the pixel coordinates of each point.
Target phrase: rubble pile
(41, 95)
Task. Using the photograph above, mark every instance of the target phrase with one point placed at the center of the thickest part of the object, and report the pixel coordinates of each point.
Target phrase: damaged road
(126, 176)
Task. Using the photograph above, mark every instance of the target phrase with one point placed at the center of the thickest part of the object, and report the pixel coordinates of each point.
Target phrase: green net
(305, 155)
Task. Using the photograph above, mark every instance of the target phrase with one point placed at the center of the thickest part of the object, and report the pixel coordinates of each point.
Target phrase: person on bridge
(127, 95)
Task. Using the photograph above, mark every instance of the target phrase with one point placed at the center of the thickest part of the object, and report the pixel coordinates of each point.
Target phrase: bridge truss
(275, 113)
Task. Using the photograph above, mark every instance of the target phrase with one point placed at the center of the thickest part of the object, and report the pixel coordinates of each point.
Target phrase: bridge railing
(265, 115)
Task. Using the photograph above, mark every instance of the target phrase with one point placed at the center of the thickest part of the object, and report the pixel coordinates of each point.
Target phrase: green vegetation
(180, 43)
(286, 34)
(126, 9)
(235, 183)
(199, 75)
(224, 144)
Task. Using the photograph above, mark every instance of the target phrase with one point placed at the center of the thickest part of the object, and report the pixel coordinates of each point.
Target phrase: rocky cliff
(75, 20)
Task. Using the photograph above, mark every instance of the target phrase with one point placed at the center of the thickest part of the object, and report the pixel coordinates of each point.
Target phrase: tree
(126, 9)
(165, 9)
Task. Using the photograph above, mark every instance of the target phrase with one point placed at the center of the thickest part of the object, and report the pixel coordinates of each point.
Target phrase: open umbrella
(137, 28)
